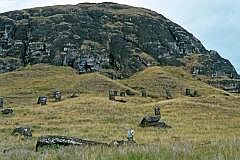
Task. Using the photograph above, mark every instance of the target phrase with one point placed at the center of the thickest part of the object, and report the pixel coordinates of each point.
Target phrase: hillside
(205, 126)
(118, 40)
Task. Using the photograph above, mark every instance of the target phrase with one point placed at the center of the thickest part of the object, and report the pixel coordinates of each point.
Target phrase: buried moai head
(192, 93)
(42, 100)
(57, 95)
(157, 111)
(122, 94)
(188, 92)
(111, 95)
(115, 93)
(168, 94)
(144, 93)
(1, 102)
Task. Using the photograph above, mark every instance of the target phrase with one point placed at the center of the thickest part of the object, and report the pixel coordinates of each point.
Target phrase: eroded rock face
(65, 141)
(102, 37)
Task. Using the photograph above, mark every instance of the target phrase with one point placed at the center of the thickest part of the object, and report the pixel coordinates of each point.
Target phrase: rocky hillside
(117, 40)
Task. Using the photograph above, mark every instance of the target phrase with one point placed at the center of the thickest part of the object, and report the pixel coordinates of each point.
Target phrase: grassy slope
(207, 126)
(157, 79)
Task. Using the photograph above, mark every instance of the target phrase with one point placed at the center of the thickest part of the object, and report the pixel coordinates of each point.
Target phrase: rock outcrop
(117, 40)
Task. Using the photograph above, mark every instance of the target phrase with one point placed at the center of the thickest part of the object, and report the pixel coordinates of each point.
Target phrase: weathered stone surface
(26, 132)
(64, 141)
(101, 37)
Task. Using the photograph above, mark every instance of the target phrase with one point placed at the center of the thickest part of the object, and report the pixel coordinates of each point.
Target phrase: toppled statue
(26, 132)
(153, 121)
(65, 141)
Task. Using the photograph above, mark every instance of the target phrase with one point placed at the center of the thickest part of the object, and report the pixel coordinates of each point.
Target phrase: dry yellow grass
(198, 124)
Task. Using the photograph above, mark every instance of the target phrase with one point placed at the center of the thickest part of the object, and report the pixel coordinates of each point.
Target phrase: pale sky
(214, 22)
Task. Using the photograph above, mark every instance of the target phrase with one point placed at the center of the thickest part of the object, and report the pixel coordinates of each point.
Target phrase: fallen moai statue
(153, 121)
(26, 132)
(65, 141)
(7, 111)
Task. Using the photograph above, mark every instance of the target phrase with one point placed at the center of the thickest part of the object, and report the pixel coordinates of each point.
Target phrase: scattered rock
(42, 100)
(7, 111)
(118, 143)
(121, 100)
(26, 132)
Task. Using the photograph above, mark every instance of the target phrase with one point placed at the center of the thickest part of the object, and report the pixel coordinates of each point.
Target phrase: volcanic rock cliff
(114, 39)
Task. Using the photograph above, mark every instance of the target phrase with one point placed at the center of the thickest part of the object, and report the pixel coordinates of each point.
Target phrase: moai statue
(1, 102)
(42, 100)
(57, 95)
(168, 94)
(130, 135)
(115, 93)
(129, 92)
(195, 93)
(111, 95)
(188, 92)
(123, 94)
(144, 93)
(157, 111)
